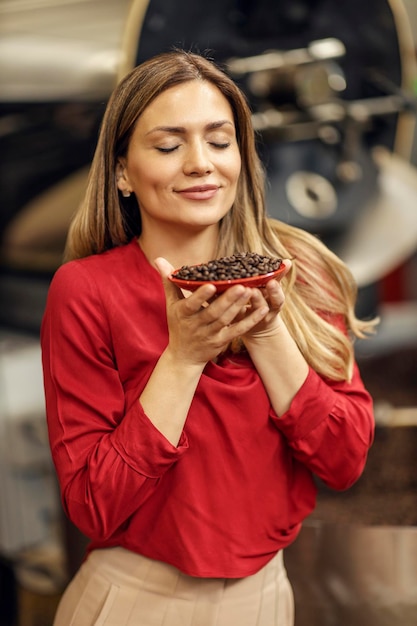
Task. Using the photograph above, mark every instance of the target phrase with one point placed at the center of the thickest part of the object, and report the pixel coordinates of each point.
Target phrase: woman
(186, 428)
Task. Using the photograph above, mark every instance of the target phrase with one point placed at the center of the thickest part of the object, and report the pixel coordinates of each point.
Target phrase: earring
(126, 193)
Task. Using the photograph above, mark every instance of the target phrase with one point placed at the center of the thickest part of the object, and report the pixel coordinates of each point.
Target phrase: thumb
(288, 264)
(165, 269)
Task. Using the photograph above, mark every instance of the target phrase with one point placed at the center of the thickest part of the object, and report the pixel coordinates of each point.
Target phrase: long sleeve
(107, 454)
(329, 427)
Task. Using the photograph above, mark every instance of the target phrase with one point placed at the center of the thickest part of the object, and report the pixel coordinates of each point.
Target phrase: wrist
(181, 364)
(275, 329)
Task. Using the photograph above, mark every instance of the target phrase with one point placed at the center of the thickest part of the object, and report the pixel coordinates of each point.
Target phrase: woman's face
(183, 161)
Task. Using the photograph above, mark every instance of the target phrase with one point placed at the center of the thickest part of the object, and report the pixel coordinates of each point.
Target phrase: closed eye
(215, 144)
(167, 150)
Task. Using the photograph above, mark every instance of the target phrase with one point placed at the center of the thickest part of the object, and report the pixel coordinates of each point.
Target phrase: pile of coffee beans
(240, 265)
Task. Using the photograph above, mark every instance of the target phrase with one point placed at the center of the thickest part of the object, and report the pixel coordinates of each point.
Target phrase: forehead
(188, 103)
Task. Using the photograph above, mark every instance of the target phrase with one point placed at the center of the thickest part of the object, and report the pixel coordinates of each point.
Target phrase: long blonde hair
(320, 288)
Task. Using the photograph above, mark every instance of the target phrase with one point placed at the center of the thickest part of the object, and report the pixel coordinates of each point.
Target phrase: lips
(199, 192)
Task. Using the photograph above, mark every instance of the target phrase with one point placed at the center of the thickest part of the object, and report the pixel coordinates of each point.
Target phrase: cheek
(235, 175)
(151, 190)
(237, 166)
(149, 179)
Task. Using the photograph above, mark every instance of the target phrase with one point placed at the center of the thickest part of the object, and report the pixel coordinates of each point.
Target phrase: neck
(180, 248)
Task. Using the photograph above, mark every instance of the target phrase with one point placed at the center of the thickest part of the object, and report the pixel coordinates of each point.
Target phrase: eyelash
(219, 146)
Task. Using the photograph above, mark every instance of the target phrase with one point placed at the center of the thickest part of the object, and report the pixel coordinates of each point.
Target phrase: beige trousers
(115, 587)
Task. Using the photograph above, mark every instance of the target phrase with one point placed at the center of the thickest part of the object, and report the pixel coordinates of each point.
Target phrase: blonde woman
(186, 428)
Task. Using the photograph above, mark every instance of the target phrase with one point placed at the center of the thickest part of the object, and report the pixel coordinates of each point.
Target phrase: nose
(197, 160)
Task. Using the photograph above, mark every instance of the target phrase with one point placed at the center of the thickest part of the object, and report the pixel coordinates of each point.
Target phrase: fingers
(240, 307)
(288, 264)
(173, 293)
(163, 266)
(223, 310)
(273, 292)
(271, 295)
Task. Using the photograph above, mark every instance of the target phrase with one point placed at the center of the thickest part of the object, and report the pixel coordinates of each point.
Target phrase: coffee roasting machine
(331, 88)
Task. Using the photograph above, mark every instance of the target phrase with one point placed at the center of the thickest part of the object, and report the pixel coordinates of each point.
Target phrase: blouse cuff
(143, 447)
(312, 404)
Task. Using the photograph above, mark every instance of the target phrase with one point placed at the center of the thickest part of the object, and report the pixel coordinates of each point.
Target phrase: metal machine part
(325, 89)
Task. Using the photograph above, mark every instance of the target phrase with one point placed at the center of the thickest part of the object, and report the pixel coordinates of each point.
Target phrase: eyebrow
(178, 130)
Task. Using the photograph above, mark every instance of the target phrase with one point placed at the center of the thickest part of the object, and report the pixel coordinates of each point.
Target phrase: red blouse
(238, 485)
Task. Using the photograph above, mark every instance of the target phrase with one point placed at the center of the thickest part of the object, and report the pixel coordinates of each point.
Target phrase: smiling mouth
(199, 192)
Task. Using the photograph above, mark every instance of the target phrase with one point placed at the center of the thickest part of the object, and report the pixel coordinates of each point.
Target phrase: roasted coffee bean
(240, 265)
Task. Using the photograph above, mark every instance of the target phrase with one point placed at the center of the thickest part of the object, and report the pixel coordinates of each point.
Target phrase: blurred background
(333, 89)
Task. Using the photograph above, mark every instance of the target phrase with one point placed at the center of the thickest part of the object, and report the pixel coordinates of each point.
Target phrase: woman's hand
(272, 296)
(201, 326)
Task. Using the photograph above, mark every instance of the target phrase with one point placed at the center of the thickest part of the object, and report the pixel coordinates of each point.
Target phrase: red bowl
(222, 285)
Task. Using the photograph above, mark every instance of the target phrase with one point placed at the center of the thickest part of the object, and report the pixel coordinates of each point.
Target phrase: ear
(122, 179)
